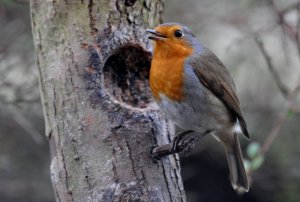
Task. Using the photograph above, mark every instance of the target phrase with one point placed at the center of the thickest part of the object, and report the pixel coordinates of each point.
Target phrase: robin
(194, 89)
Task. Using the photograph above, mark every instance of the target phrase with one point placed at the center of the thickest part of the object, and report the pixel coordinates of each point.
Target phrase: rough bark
(100, 118)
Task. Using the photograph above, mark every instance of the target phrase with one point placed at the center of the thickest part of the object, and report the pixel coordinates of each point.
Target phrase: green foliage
(290, 114)
(257, 162)
(253, 149)
(256, 159)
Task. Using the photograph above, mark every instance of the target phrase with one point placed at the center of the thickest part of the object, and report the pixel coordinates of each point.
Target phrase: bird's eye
(178, 33)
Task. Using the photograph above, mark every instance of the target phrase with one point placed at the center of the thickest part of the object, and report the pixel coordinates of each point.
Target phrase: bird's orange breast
(167, 69)
(166, 77)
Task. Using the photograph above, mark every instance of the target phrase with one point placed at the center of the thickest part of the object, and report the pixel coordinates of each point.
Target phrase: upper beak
(154, 35)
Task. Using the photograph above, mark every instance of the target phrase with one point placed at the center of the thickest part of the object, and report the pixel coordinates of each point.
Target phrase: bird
(194, 89)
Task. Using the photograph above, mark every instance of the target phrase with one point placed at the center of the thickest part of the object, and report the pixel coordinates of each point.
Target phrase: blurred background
(258, 40)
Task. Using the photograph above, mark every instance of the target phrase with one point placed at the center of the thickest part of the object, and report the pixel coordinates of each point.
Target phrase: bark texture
(100, 119)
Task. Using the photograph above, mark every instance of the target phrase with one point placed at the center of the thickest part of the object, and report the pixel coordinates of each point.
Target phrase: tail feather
(238, 174)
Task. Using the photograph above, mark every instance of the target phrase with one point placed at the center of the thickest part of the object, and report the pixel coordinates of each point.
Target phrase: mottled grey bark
(100, 118)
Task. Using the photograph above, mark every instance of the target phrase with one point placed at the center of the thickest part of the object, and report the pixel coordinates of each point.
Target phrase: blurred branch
(281, 118)
(255, 151)
(26, 124)
(289, 8)
(287, 28)
(290, 96)
(291, 31)
(283, 89)
(19, 100)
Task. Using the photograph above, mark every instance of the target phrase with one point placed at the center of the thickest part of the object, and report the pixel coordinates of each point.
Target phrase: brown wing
(215, 77)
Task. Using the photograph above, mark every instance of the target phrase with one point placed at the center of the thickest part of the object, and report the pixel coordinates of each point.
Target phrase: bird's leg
(185, 141)
(182, 142)
(178, 138)
(159, 152)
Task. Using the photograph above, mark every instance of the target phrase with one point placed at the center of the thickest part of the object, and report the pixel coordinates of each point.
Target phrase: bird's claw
(153, 153)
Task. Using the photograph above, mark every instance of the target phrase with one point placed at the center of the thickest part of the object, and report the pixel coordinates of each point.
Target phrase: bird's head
(173, 39)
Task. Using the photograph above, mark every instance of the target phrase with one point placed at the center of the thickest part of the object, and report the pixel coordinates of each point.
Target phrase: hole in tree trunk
(126, 74)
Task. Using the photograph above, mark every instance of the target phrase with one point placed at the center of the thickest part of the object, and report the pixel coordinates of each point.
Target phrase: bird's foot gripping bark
(182, 143)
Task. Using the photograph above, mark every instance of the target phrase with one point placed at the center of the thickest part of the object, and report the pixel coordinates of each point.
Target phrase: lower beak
(154, 35)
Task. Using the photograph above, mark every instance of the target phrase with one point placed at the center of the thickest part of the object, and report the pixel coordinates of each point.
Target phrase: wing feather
(215, 77)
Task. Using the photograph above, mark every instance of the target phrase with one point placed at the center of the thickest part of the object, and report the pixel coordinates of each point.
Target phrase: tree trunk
(100, 118)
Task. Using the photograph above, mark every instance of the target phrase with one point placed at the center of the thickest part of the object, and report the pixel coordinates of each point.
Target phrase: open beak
(154, 35)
